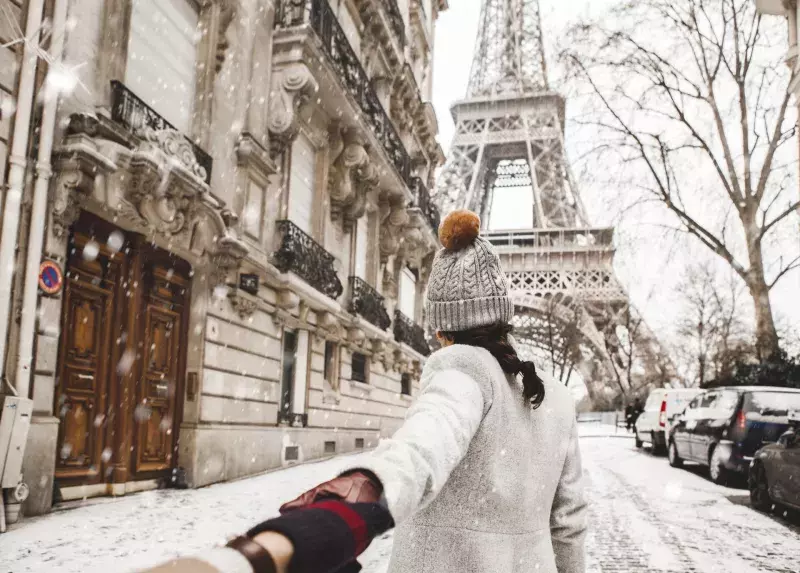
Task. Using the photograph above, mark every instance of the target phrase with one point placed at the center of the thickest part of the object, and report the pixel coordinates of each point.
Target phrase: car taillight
(662, 415)
(741, 421)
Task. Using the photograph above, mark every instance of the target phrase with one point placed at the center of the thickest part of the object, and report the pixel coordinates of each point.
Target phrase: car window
(722, 406)
(770, 406)
(708, 400)
(694, 403)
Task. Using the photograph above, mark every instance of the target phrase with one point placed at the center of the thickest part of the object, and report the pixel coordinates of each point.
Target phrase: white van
(662, 405)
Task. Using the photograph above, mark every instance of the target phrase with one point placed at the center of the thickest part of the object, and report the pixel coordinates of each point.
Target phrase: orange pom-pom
(459, 229)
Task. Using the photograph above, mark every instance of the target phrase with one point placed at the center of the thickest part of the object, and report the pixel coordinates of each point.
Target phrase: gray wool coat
(476, 481)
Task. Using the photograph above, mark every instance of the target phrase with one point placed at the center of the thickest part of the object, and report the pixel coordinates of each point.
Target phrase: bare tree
(637, 359)
(689, 97)
(712, 333)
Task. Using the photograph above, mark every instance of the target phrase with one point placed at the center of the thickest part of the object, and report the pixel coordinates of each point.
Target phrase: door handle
(85, 376)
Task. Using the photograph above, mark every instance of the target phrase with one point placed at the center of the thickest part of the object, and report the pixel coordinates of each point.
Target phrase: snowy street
(645, 516)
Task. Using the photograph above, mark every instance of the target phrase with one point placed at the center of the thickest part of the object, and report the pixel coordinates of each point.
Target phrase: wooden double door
(122, 358)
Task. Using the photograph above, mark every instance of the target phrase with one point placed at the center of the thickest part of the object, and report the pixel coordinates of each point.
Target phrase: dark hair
(494, 338)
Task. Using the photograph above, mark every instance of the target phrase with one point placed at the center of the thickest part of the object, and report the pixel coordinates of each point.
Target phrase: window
(330, 447)
(359, 367)
(162, 56)
(359, 443)
(362, 242)
(287, 373)
(405, 384)
(253, 210)
(331, 371)
(302, 183)
(408, 292)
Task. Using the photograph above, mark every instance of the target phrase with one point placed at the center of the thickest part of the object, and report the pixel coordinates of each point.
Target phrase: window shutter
(408, 292)
(302, 183)
(162, 56)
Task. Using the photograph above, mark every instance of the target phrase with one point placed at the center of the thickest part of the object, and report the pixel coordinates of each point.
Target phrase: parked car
(775, 470)
(724, 427)
(660, 410)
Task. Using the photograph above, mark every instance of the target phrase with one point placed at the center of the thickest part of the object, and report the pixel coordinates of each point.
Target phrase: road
(645, 516)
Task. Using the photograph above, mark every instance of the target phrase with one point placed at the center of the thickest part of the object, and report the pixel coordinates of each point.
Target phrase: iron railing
(396, 21)
(409, 332)
(133, 113)
(367, 302)
(422, 201)
(322, 19)
(307, 259)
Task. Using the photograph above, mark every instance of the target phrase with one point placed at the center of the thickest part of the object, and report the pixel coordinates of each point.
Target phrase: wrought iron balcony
(409, 332)
(423, 202)
(367, 302)
(307, 259)
(130, 111)
(322, 19)
(396, 21)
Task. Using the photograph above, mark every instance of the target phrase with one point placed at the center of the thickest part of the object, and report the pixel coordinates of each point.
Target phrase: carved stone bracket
(76, 164)
(394, 217)
(352, 175)
(226, 259)
(244, 304)
(292, 88)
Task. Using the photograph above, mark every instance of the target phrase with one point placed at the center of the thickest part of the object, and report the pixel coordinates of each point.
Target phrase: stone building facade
(236, 195)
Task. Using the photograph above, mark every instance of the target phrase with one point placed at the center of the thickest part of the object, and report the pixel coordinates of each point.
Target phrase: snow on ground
(645, 516)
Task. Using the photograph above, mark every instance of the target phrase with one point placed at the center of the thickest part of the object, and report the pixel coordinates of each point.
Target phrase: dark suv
(724, 427)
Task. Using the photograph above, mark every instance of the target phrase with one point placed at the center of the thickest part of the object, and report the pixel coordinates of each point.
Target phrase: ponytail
(494, 338)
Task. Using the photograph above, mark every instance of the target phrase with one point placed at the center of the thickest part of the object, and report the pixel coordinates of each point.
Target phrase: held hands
(354, 487)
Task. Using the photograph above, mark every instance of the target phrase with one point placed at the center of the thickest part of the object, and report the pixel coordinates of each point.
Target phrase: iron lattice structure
(510, 134)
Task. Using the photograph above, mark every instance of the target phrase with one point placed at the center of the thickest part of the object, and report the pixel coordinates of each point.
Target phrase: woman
(484, 476)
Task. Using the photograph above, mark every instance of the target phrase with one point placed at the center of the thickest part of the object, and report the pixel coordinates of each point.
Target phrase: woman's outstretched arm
(414, 464)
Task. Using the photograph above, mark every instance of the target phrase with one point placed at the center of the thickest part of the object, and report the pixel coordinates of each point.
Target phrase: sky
(646, 263)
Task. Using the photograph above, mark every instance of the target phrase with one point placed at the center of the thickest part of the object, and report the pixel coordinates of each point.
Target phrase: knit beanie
(467, 289)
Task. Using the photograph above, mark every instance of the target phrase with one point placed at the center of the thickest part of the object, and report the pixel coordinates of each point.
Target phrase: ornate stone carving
(292, 88)
(245, 305)
(76, 164)
(226, 14)
(352, 175)
(394, 217)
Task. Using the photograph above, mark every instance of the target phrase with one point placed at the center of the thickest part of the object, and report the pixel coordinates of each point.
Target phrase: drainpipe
(16, 172)
(39, 211)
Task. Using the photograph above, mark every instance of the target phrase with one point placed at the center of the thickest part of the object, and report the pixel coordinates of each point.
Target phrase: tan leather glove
(354, 487)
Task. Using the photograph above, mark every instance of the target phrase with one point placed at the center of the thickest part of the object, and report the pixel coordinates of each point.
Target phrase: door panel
(82, 391)
(162, 366)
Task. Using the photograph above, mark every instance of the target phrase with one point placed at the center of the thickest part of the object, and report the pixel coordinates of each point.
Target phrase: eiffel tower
(510, 135)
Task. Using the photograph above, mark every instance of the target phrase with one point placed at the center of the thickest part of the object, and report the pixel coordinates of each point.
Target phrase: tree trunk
(766, 335)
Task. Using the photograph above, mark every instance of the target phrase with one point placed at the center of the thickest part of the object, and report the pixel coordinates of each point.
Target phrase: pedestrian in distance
(629, 416)
(484, 475)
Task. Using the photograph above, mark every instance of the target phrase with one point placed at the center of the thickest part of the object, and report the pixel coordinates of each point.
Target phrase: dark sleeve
(329, 535)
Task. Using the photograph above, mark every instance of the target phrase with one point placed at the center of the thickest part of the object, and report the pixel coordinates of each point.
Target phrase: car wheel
(759, 489)
(716, 471)
(674, 459)
(656, 449)
(638, 441)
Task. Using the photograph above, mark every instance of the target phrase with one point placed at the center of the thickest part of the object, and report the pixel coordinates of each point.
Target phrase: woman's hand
(279, 547)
